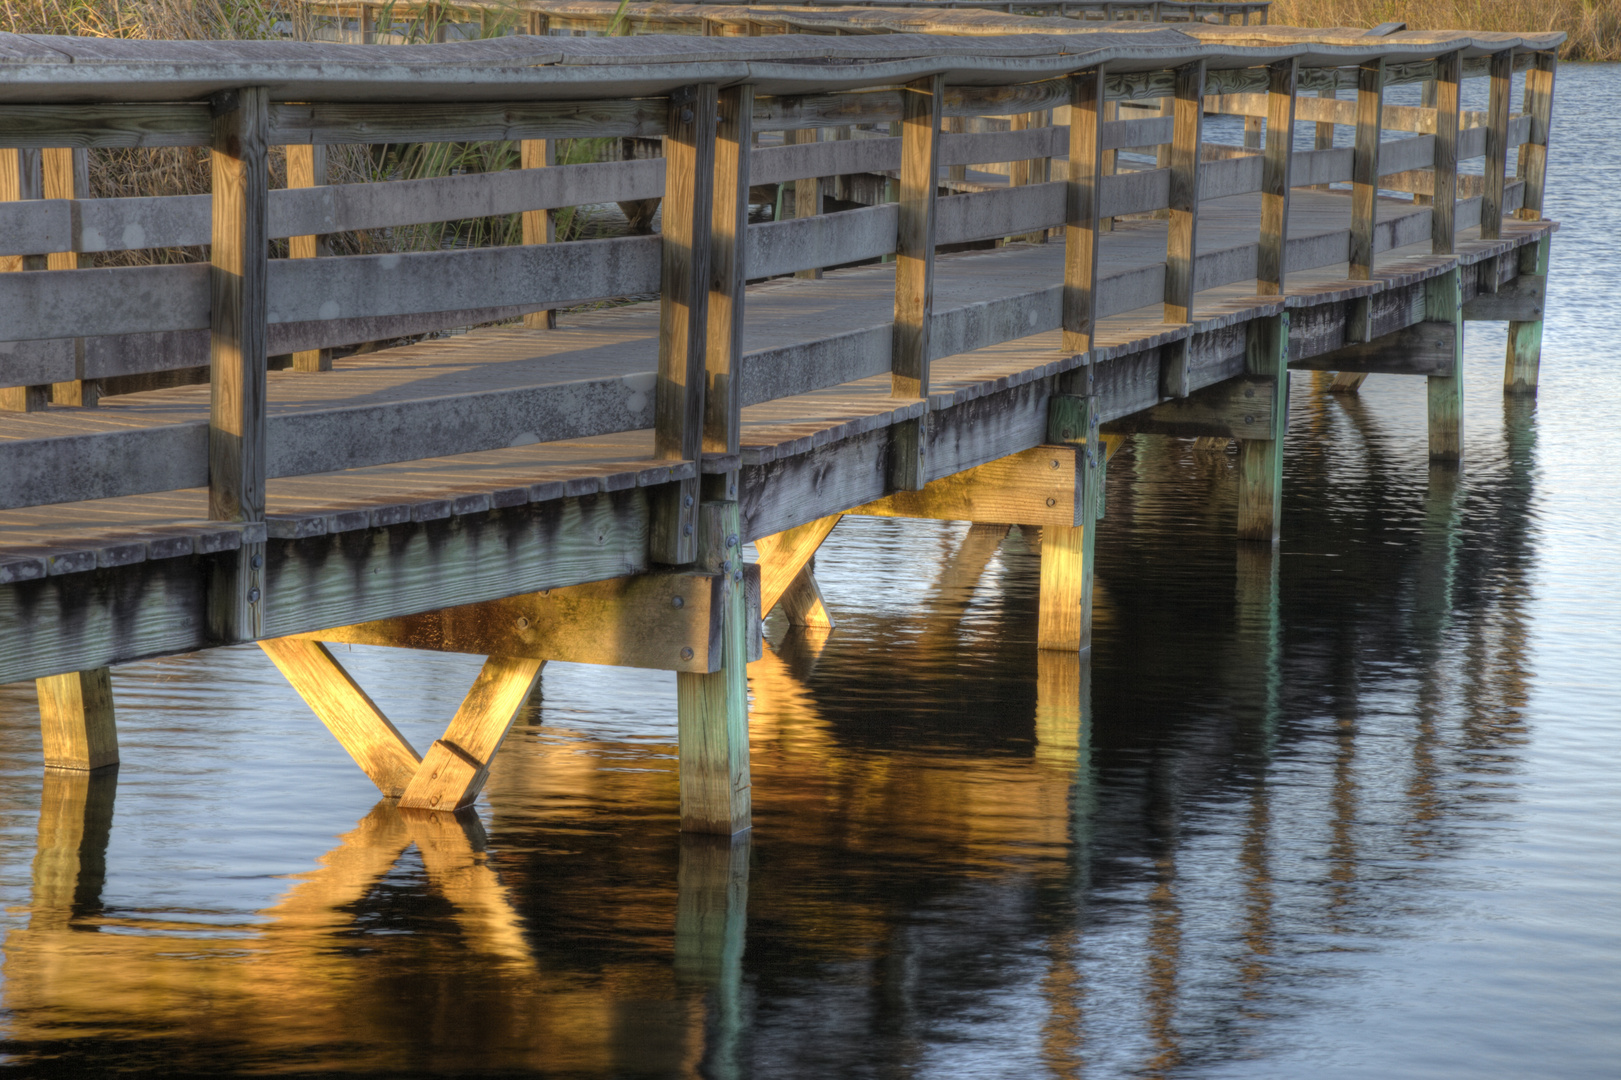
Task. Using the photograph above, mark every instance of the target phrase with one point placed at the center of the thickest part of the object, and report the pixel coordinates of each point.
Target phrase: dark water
(1352, 810)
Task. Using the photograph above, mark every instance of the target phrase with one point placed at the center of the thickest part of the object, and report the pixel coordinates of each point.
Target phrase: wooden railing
(245, 305)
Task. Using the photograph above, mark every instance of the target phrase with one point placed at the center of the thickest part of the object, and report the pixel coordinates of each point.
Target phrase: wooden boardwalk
(584, 491)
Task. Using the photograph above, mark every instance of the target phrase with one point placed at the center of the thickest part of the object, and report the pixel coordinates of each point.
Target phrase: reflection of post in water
(1255, 673)
(70, 864)
(711, 920)
(1432, 619)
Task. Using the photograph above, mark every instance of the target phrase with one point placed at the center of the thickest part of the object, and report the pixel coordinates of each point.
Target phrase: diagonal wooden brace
(455, 767)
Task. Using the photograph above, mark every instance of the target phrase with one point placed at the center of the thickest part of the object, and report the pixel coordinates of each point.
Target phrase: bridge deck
(622, 343)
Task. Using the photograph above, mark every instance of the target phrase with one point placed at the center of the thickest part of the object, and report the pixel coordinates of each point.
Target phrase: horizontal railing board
(782, 247)
(1002, 212)
(31, 363)
(36, 304)
(343, 122)
(776, 164)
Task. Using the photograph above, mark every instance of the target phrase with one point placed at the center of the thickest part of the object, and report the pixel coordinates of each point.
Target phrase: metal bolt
(523, 623)
(1249, 393)
(1052, 502)
(737, 575)
(686, 116)
(731, 541)
(1068, 434)
(726, 566)
(686, 530)
(686, 653)
(258, 561)
(253, 596)
(1249, 419)
(1055, 463)
(687, 502)
(676, 601)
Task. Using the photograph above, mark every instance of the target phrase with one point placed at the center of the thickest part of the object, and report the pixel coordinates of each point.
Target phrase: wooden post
(1491, 202)
(956, 125)
(1533, 163)
(689, 155)
(76, 719)
(723, 354)
(1448, 102)
(1081, 225)
(347, 711)
(20, 179)
(1279, 153)
(1443, 302)
(66, 175)
(1064, 619)
(455, 767)
(712, 711)
(807, 193)
(1523, 362)
(1028, 171)
(1325, 131)
(238, 270)
(1370, 97)
(922, 104)
(1260, 471)
(368, 25)
(306, 167)
(1111, 111)
(539, 226)
(1181, 245)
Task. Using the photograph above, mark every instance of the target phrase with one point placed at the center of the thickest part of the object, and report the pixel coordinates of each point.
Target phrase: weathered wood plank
(1521, 299)
(538, 225)
(1443, 211)
(1260, 467)
(455, 767)
(1425, 348)
(1082, 211)
(784, 555)
(1538, 111)
(1235, 409)
(922, 107)
(1275, 179)
(1491, 206)
(512, 121)
(723, 351)
(1365, 166)
(1040, 486)
(1443, 303)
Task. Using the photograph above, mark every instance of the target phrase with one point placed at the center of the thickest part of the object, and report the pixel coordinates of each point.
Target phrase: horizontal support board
(1425, 348)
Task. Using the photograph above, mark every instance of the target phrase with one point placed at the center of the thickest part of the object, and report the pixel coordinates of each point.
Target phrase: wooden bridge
(1016, 299)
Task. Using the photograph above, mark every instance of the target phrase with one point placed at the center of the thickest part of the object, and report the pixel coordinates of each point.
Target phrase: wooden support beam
(1448, 111)
(1081, 226)
(1275, 165)
(1039, 486)
(347, 711)
(1064, 621)
(671, 621)
(239, 268)
(1538, 106)
(712, 711)
(1491, 201)
(539, 226)
(784, 555)
(922, 106)
(455, 767)
(1182, 235)
(1523, 362)
(1260, 464)
(723, 353)
(1347, 382)
(66, 175)
(76, 719)
(1519, 299)
(689, 154)
(803, 604)
(1424, 348)
(1239, 408)
(306, 168)
(1443, 302)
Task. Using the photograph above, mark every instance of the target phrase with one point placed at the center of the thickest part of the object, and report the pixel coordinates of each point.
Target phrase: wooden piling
(239, 268)
(1064, 619)
(712, 711)
(1260, 468)
(1523, 363)
(1370, 95)
(723, 352)
(922, 105)
(1443, 302)
(76, 720)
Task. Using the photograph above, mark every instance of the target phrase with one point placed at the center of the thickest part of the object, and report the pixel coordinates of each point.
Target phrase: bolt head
(523, 623)
(253, 596)
(1055, 463)
(731, 541)
(737, 575)
(677, 601)
(686, 652)
(687, 502)
(1249, 393)
(686, 530)
(1249, 419)
(1052, 502)
(257, 561)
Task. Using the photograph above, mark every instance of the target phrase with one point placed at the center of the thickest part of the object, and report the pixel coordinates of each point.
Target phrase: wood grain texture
(539, 226)
(1448, 106)
(238, 272)
(1182, 234)
(455, 767)
(723, 351)
(1260, 466)
(685, 248)
(712, 710)
(783, 555)
(1082, 210)
(306, 168)
(1491, 205)
(1038, 486)
(360, 727)
(76, 719)
(1443, 302)
(803, 604)
(1523, 360)
(1365, 166)
(1278, 157)
(1538, 109)
(914, 248)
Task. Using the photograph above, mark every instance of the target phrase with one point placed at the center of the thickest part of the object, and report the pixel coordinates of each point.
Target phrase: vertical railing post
(807, 193)
(1370, 104)
(1491, 195)
(1523, 362)
(539, 227)
(689, 157)
(1325, 131)
(239, 266)
(1444, 203)
(723, 356)
(922, 104)
(306, 167)
(1081, 220)
(20, 179)
(1181, 245)
(66, 175)
(1272, 256)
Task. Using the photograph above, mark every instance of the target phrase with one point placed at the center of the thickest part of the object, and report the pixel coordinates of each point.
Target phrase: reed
(1592, 27)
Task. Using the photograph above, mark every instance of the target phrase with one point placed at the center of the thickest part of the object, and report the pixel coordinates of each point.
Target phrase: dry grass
(1593, 27)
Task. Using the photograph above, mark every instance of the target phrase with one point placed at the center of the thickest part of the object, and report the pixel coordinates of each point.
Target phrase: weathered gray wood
(1533, 163)
(1443, 212)
(1235, 409)
(238, 272)
(678, 427)
(1182, 234)
(922, 106)
(1082, 204)
(1491, 207)
(1365, 167)
(1260, 467)
(1521, 299)
(1275, 179)
(1443, 296)
(1425, 348)
(782, 247)
(105, 125)
(512, 121)
(723, 353)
